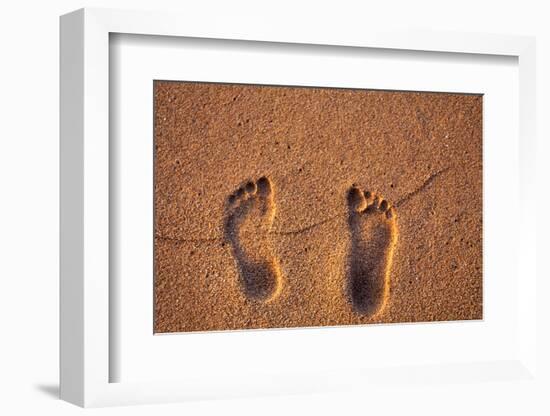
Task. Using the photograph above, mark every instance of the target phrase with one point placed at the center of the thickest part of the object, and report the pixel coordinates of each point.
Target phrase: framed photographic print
(291, 210)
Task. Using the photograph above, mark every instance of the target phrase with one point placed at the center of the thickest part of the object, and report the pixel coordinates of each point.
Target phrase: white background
(137, 61)
(29, 210)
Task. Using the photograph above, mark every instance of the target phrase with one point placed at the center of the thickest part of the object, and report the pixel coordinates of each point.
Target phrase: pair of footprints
(372, 221)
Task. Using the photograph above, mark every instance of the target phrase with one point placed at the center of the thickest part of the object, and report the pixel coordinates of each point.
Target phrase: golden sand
(294, 207)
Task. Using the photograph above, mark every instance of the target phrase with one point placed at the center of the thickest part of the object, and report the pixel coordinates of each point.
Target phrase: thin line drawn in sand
(189, 240)
(373, 226)
(400, 202)
(407, 197)
(249, 216)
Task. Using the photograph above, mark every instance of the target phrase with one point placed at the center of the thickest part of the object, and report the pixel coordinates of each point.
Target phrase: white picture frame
(86, 355)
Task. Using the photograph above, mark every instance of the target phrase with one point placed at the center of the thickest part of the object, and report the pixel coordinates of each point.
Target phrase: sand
(297, 207)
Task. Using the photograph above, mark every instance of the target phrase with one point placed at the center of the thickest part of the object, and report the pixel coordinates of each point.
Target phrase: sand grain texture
(421, 152)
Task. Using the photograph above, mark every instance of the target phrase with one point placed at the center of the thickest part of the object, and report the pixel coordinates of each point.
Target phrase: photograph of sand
(283, 206)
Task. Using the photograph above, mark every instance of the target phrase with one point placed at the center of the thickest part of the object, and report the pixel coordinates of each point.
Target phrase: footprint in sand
(249, 216)
(373, 228)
